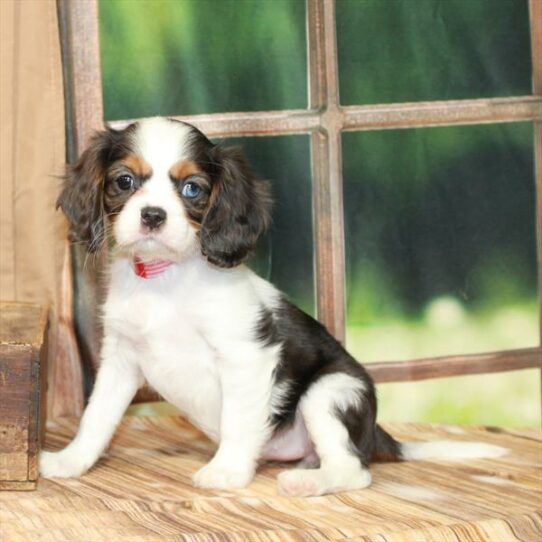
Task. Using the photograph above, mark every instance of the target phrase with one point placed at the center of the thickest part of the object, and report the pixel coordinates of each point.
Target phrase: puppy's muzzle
(153, 217)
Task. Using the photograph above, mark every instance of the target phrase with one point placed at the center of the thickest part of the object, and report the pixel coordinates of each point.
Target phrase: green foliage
(439, 211)
(173, 57)
(416, 50)
(445, 329)
(501, 399)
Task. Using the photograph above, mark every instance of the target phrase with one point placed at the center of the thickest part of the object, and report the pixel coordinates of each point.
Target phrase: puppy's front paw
(219, 477)
(61, 465)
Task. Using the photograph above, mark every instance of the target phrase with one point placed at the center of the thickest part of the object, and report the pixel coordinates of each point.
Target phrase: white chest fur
(176, 325)
(181, 366)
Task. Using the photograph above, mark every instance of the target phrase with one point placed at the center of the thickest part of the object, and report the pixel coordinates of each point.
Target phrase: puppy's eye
(125, 182)
(190, 190)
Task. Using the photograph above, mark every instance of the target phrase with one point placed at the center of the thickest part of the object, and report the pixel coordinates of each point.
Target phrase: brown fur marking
(184, 168)
(137, 164)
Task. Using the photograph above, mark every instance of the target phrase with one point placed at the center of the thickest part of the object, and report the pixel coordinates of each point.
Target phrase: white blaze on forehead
(162, 142)
(159, 143)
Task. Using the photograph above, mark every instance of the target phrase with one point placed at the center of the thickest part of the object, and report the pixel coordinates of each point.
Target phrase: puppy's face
(165, 191)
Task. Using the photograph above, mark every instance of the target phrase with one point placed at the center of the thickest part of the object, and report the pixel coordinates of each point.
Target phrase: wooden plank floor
(142, 491)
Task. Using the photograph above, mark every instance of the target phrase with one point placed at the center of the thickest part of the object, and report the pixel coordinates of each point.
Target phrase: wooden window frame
(324, 120)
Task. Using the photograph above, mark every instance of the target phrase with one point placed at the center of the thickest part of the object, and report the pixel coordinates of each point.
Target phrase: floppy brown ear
(239, 212)
(81, 197)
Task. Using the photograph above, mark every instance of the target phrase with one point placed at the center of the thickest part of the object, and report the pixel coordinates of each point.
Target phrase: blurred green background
(440, 222)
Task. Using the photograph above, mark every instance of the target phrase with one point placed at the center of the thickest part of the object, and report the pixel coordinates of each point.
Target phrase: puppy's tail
(388, 449)
(450, 449)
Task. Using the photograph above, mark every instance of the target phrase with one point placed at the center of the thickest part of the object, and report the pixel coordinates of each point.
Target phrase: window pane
(440, 241)
(509, 399)
(401, 50)
(284, 255)
(163, 57)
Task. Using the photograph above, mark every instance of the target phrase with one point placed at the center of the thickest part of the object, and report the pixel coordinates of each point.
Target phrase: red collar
(150, 269)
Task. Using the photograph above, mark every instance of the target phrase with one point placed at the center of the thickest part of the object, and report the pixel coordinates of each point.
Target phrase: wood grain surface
(142, 491)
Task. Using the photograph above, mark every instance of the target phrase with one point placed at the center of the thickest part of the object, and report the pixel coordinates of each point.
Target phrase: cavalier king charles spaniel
(257, 375)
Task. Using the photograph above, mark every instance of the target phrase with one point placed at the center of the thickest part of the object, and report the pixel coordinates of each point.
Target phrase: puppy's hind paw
(313, 482)
(301, 483)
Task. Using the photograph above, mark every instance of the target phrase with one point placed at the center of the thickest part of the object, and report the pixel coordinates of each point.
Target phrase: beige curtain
(34, 260)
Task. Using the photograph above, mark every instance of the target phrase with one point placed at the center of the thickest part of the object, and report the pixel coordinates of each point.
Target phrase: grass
(503, 399)
(511, 398)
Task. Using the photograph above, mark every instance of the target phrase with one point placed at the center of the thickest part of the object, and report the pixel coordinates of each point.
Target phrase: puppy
(258, 376)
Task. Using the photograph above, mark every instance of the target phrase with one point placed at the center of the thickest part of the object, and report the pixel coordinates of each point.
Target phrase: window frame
(325, 120)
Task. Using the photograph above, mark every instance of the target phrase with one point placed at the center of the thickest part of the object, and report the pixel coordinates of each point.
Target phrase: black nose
(153, 217)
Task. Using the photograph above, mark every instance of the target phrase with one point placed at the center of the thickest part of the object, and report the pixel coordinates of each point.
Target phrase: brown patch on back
(137, 164)
(184, 168)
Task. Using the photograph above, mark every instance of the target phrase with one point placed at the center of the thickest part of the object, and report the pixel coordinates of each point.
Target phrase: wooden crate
(23, 353)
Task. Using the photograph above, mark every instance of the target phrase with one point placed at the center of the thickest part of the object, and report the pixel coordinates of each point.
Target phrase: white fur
(340, 468)
(118, 379)
(189, 333)
(450, 449)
